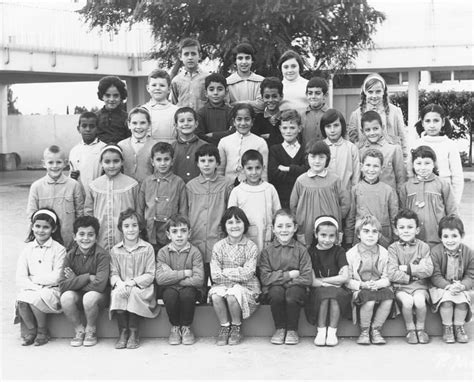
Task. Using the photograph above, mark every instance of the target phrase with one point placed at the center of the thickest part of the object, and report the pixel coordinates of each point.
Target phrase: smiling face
(85, 237)
(289, 131)
(131, 229)
(186, 125)
(216, 93)
(190, 58)
(290, 69)
(369, 235)
(432, 124)
(138, 125)
(253, 170)
(423, 167)
(326, 235)
(111, 163)
(406, 229)
(317, 162)
(112, 98)
(284, 228)
(451, 239)
(243, 62)
(158, 88)
(88, 129)
(207, 165)
(371, 168)
(235, 228)
(374, 94)
(315, 97)
(243, 121)
(372, 130)
(271, 99)
(178, 235)
(54, 164)
(333, 130)
(42, 230)
(162, 163)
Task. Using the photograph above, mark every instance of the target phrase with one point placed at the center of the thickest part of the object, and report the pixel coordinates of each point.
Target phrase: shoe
(331, 339)
(423, 337)
(90, 339)
(411, 337)
(78, 339)
(292, 337)
(28, 339)
(278, 337)
(376, 337)
(223, 335)
(448, 334)
(175, 336)
(133, 341)
(235, 336)
(320, 339)
(42, 337)
(187, 335)
(461, 335)
(364, 337)
(122, 341)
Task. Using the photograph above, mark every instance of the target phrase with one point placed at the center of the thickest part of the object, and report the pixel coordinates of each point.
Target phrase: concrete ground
(255, 358)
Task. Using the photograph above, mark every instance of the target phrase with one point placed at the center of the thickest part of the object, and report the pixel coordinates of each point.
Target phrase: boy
(393, 172)
(371, 196)
(187, 87)
(257, 198)
(161, 195)
(58, 192)
(214, 116)
(208, 195)
(161, 110)
(316, 93)
(267, 125)
(84, 158)
(179, 272)
(84, 281)
(186, 145)
(409, 268)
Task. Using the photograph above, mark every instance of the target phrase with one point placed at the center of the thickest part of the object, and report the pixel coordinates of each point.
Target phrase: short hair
(251, 155)
(370, 116)
(365, 220)
(86, 221)
(188, 42)
(139, 110)
(54, 149)
(446, 129)
(451, 221)
(315, 147)
(108, 81)
(209, 150)
(113, 148)
(239, 214)
(185, 109)
(88, 115)
(271, 83)
(288, 55)
(373, 153)
(129, 213)
(424, 152)
(284, 212)
(160, 73)
(242, 106)
(215, 77)
(176, 220)
(317, 82)
(162, 148)
(290, 115)
(406, 213)
(244, 48)
(330, 116)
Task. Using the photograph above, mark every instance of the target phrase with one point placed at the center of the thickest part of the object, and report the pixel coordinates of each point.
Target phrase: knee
(446, 305)
(169, 294)
(216, 299)
(369, 305)
(91, 300)
(188, 294)
(420, 301)
(69, 298)
(406, 301)
(333, 303)
(231, 301)
(276, 294)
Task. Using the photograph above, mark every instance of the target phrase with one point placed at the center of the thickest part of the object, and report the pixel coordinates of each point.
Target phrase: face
(88, 129)
(290, 130)
(253, 170)
(369, 235)
(334, 130)
(316, 97)
(162, 162)
(432, 124)
(372, 130)
(271, 99)
(374, 94)
(111, 163)
(243, 121)
(243, 61)
(317, 162)
(284, 228)
(371, 168)
(85, 238)
(423, 167)
(234, 228)
(326, 236)
(138, 125)
(186, 124)
(178, 235)
(190, 57)
(42, 231)
(290, 69)
(111, 98)
(54, 164)
(216, 93)
(158, 89)
(406, 229)
(130, 229)
(451, 239)
(207, 165)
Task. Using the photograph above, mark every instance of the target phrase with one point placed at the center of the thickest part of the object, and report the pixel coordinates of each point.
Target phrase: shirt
(85, 158)
(245, 90)
(184, 161)
(215, 120)
(187, 89)
(112, 125)
(162, 121)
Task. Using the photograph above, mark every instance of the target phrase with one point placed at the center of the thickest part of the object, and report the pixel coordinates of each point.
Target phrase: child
(84, 281)
(109, 194)
(179, 271)
(267, 124)
(232, 147)
(208, 195)
(433, 127)
(136, 149)
(287, 161)
(37, 275)
(235, 286)
(393, 170)
(187, 88)
(285, 271)
(112, 118)
(186, 145)
(374, 96)
(328, 299)
(84, 157)
(409, 267)
(344, 154)
(161, 195)
(214, 116)
(369, 282)
(58, 192)
(452, 279)
(257, 198)
(291, 66)
(317, 192)
(316, 94)
(372, 197)
(161, 110)
(427, 195)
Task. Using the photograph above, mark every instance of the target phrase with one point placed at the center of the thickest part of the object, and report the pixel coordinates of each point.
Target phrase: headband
(113, 148)
(324, 219)
(46, 212)
(374, 76)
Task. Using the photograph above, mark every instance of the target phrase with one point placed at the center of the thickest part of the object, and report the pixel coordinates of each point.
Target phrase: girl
(452, 279)
(294, 86)
(232, 147)
(109, 194)
(235, 285)
(368, 281)
(344, 154)
(132, 271)
(328, 298)
(285, 271)
(37, 276)
(434, 127)
(374, 96)
(429, 196)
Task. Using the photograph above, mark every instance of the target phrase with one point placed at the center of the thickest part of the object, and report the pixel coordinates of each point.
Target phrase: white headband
(324, 219)
(111, 147)
(46, 212)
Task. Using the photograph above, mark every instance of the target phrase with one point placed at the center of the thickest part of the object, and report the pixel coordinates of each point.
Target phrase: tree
(11, 100)
(331, 31)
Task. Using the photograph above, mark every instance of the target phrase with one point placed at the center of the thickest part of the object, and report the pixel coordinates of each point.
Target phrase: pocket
(68, 205)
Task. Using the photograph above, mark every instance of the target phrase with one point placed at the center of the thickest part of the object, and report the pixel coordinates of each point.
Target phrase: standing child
(179, 271)
(287, 161)
(329, 299)
(132, 272)
(235, 286)
(285, 271)
(109, 194)
(136, 149)
(427, 195)
(369, 282)
(37, 276)
(257, 198)
(452, 279)
(409, 268)
(57, 191)
(317, 192)
(294, 86)
(316, 94)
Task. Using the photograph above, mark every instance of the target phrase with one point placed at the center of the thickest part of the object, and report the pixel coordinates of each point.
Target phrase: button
(156, 199)
(187, 157)
(187, 174)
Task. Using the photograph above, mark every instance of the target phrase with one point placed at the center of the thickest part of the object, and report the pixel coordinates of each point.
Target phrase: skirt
(379, 295)
(317, 295)
(246, 299)
(439, 295)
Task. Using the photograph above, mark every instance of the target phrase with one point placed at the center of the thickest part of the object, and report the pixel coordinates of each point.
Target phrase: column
(413, 80)
(3, 117)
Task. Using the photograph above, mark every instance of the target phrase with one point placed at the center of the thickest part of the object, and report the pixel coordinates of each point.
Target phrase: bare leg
(220, 307)
(92, 302)
(446, 312)
(69, 301)
(323, 313)
(234, 310)
(420, 306)
(407, 309)
(334, 313)
(366, 312)
(382, 313)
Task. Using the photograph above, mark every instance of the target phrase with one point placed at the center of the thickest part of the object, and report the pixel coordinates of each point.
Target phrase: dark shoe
(292, 337)
(175, 336)
(411, 337)
(42, 337)
(423, 337)
(90, 338)
(461, 335)
(28, 339)
(78, 339)
(133, 341)
(278, 337)
(187, 336)
(122, 341)
(235, 336)
(223, 335)
(376, 337)
(448, 334)
(364, 337)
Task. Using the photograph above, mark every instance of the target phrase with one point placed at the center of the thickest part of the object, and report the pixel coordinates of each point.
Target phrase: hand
(456, 287)
(188, 272)
(91, 278)
(294, 273)
(283, 168)
(372, 285)
(265, 136)
(131, 283)
(69, 273)
(75, 174)
(403, 268)
(209, 135)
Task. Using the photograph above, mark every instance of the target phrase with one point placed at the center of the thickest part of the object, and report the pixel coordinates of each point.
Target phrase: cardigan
(137, 165)
(112, 125)
(245, 90)
(440, 262)
(184, 161)
(162, 121)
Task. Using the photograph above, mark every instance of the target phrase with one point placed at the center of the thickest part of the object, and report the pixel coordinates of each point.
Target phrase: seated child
(180, 274)
(285, 271)
(37, 275)
(316, 94)
(84, 281)
(235, 286)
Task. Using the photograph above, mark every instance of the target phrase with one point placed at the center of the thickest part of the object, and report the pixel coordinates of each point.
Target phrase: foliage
(11, 100)
(331, 31)
(83, 109)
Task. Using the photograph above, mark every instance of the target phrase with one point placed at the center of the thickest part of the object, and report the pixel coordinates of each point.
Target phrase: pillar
(3, 117)
(331, 91)
(413, 81)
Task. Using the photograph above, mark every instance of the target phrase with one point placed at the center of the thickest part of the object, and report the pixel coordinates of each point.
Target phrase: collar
(60, 180)
(186, 248)
(366, 181)
(275, 117)
(381, 141)
(454, 254)
(153, 103)
(192, 140)
(78, 252)
(323, 108)
(363, 248)
(166, 177)
(196, 72)
(243, 241)
(410, 243)
(339, 142)
(211, 106)
(136, 141)
(241, 136)
(278, 243)
(94, 142)
(47, 244)
(117, 110)
(291, 145)
(203, 180)
(234, 78)
(322, 174)
(417, 179)
(140, 243)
